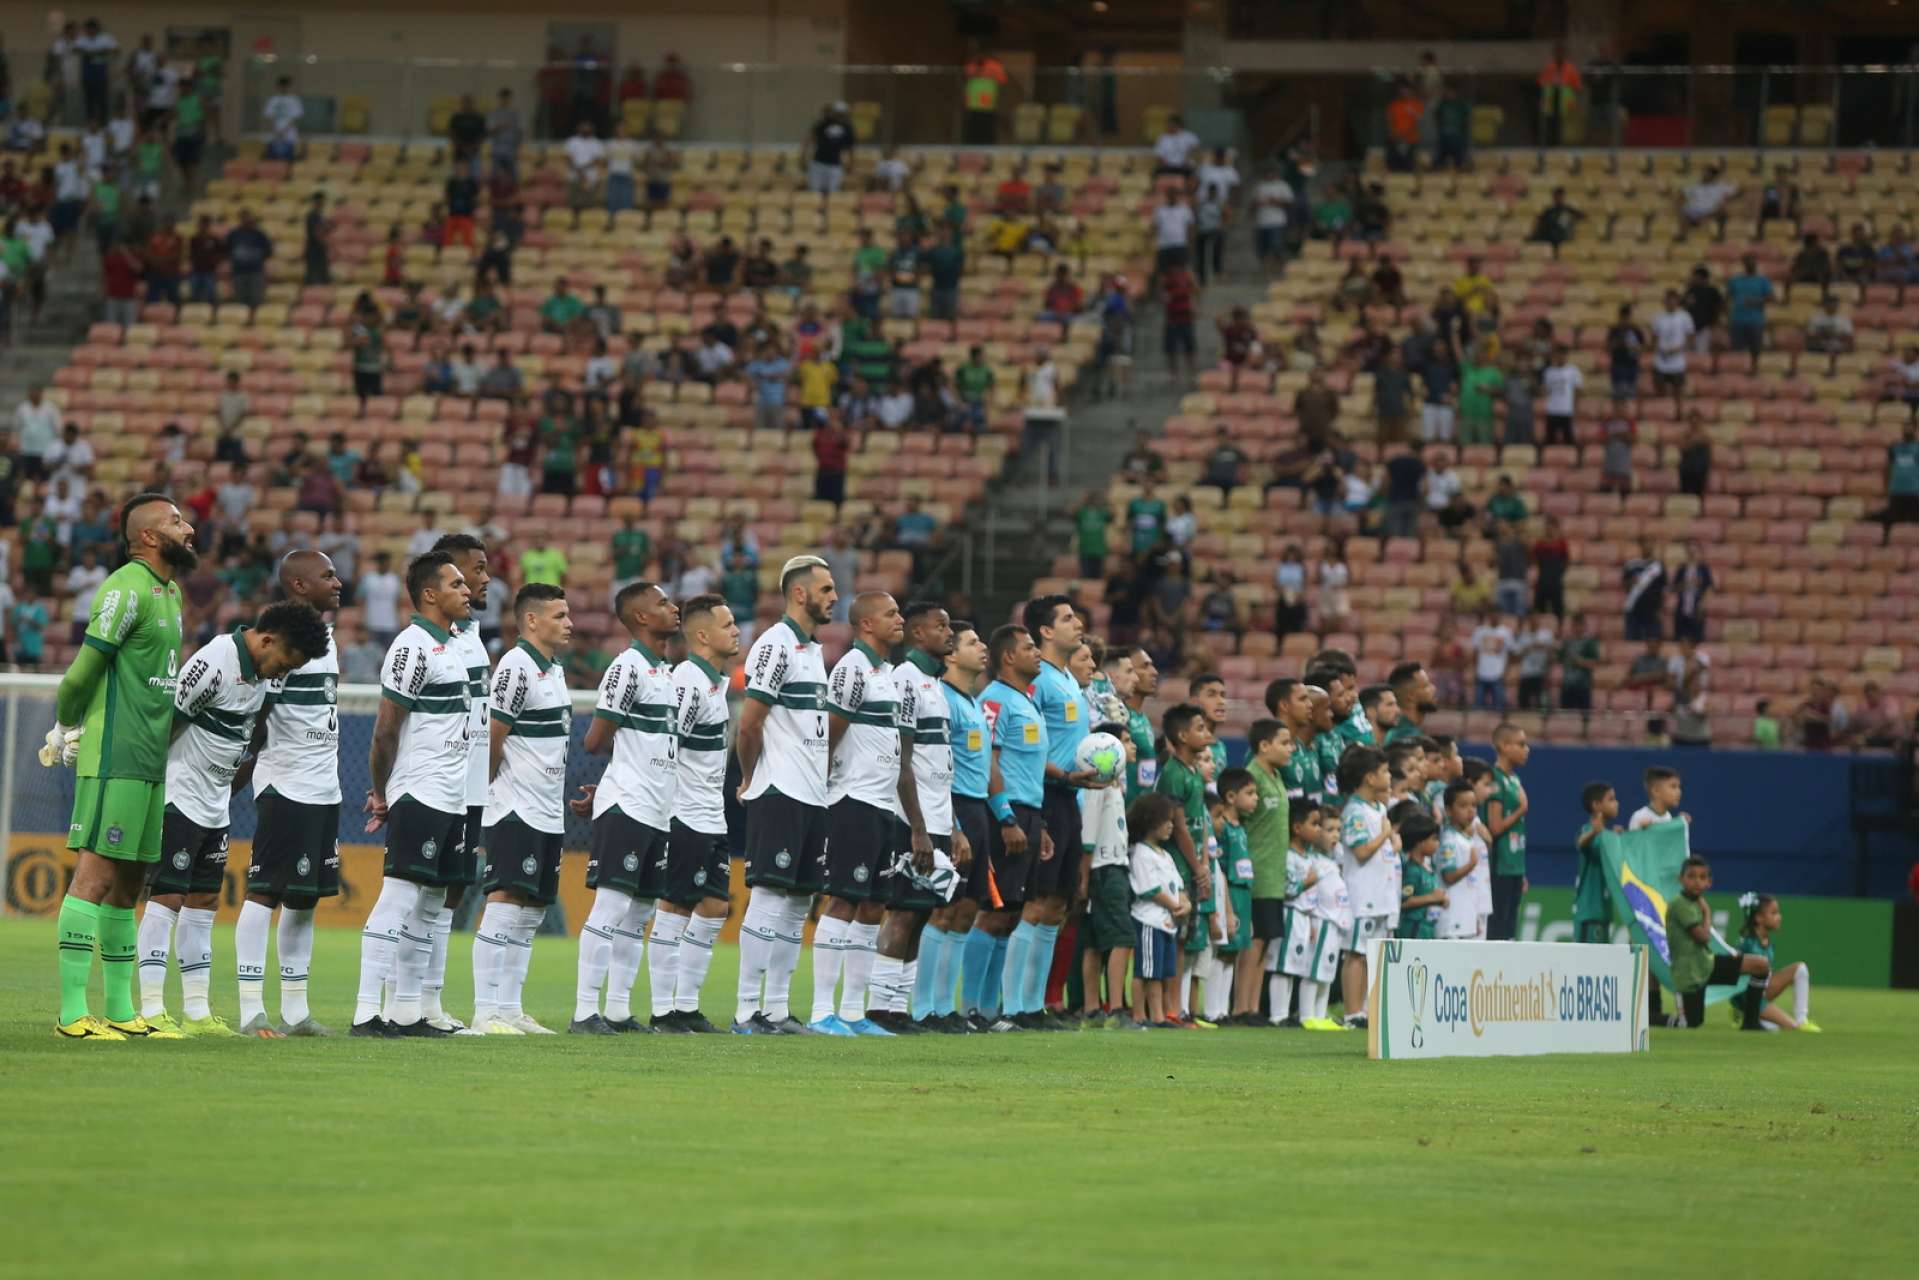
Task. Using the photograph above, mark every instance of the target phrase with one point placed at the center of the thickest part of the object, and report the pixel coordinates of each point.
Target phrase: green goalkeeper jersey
(129, 721)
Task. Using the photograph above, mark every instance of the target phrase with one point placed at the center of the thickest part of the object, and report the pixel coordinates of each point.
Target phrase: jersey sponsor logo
(1072, 710)
(1029, 733)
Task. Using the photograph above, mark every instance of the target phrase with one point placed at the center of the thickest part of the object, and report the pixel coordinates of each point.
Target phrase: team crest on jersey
(332, 693)
(429, 849)
(114, 833)
(699, 877)
(181, 858)
(782, 859)
(632, 862)
(531, 865)
(304, 866)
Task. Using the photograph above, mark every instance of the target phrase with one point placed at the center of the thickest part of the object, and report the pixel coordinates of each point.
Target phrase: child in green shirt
(1592, 904)
(1765, 727)
(1506, 821)
(1267, 829)
(1421, 896)
(1188, 734)
(1755, 939)
(1239, 802)
(1690, 959)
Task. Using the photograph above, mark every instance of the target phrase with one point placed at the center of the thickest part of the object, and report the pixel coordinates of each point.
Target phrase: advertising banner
(1472, 999)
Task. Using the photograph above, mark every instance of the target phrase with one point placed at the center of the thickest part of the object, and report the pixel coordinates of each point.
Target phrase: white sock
(1186, 983)
(250, 958)
(378, 940)
(296, 957)
(759, 933)
(519, 959)
(413, 953)
(1325, 999)
(624, 956)
(596, 949)
(156, 944)
(862, 948)
(696, 956)
(1801, 993)
(1279, 989)
(786, 956)
(491, 942)
(193, 940)
(663, 960)
(888, 995)
(1219, 986)
(439, 927)
(829, 958)
(1310, 994)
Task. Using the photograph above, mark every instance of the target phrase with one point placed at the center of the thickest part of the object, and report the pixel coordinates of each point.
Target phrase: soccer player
(418, 770)
(928, 856)
(113, 721)
(532, 725)
(1349, 718)
(1506, 821)
(948, 931)
(699, 866)
(469, 557)
(1332, 721)
(1062, 703)
(1369, 864)
(862, 785)
(1017, 732)
(1188, 736)
(1291, 702)
(782, 749)
(218, 695)
(1416, 696)
(296, 797)
(1208, 693)
(1381, 706)
(1143, 771)
(632, 807)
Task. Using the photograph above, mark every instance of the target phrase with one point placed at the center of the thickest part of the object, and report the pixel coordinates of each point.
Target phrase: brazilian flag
(1642, 876)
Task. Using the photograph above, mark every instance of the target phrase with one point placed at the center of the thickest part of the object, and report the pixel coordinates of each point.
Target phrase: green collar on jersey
(712, 672)
(924, 661)
(432, 628)
(798, 630)
(640, 647)
(876, 658)
(540, 659)
(150, 569)
(247, 671)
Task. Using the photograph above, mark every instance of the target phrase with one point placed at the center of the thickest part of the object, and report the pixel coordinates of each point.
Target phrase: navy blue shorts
(1155, 953)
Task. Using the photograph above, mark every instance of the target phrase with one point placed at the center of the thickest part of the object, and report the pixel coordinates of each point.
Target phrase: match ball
(1102, 755)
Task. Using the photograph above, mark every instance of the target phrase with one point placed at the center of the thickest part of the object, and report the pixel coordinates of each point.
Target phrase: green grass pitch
(1236, 1152)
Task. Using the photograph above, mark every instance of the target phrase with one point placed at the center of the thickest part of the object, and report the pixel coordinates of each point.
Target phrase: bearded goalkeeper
(115, 712)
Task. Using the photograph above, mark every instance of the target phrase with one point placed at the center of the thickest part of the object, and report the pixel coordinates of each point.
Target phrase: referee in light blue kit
(947, 951)
(1017, 733)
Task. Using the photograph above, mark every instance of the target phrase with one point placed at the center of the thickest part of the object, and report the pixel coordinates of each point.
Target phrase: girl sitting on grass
(1755, 938)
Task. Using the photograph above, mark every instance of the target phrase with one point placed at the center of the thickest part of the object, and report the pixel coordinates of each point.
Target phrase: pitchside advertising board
(1472, 999)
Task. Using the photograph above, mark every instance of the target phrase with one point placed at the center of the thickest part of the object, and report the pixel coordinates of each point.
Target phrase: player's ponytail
(1752, 904)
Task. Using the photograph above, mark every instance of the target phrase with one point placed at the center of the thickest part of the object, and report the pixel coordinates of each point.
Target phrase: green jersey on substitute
(119, 791)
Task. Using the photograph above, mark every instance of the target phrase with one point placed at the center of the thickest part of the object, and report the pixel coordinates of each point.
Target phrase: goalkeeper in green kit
(115, 721)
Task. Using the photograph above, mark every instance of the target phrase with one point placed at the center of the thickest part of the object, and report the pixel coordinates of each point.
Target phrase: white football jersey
(637, 697)
(1459, 918)
(1481, 879)
(529, 697)
(785, 671)
(923, 712)
(1330, 900)
(426, 678)
(218, 695)
(866, 764)
(1374, 883)
(301, 758)
(472, 652)
(700, 803)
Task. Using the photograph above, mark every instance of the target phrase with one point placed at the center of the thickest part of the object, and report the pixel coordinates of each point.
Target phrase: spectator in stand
(1439, 378)
(1173, 223)
(1625, 343)
(1013, 197)
(1878, 721)
(1672, 335)
(71, 457)
(1706, 201)
(36, 431)
(1113, 357)
(1618, 432)
(1556, 222)
(1902, 478)
(248, 249)
(120, 286)
(1551, 553)
(1209, 232)
(1392, 390)
(671, 83)
(82, 581)
(1173, 149)
(1451, 128)
(829, 147)
(1513, 566)
(1534, 644)
(1822, 718)
(1372, 218)
(1520, 389)
(1829, 331)
(563, 313)
(1389, 286)
(29, 629)
(1578, 659)
(1857, 259)
(283, 113)
(1405, 485)
(1272, 212)
(1811, 265)
(1506, 505)
(206, 250)
(585, 170)
(1289, 580)
(1090, 523)
(1480, 380)
(317, 249)
(1748, 293)
(1559, 88)
(1562, 381)
(1225, 466)
(318, 490)
(1403, 126)
(366, 341)
(1898, 261)
(504, 133)
(1644, 579)
(832, 443)
(236, 497)
(1691, 584)
(1239, 343)
(1492, 645)
(1180, 306)
(1334, 605)
(1695, 456)
(1142, 462)
(1707, 305)
(1316, 409)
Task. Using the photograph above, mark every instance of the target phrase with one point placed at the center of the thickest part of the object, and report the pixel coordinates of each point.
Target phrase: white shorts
(1311, 947)
(1435, 422)
(826, 178)
(1366, 929)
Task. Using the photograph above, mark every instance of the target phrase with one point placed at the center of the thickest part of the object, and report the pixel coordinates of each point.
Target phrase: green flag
(1642, 876)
